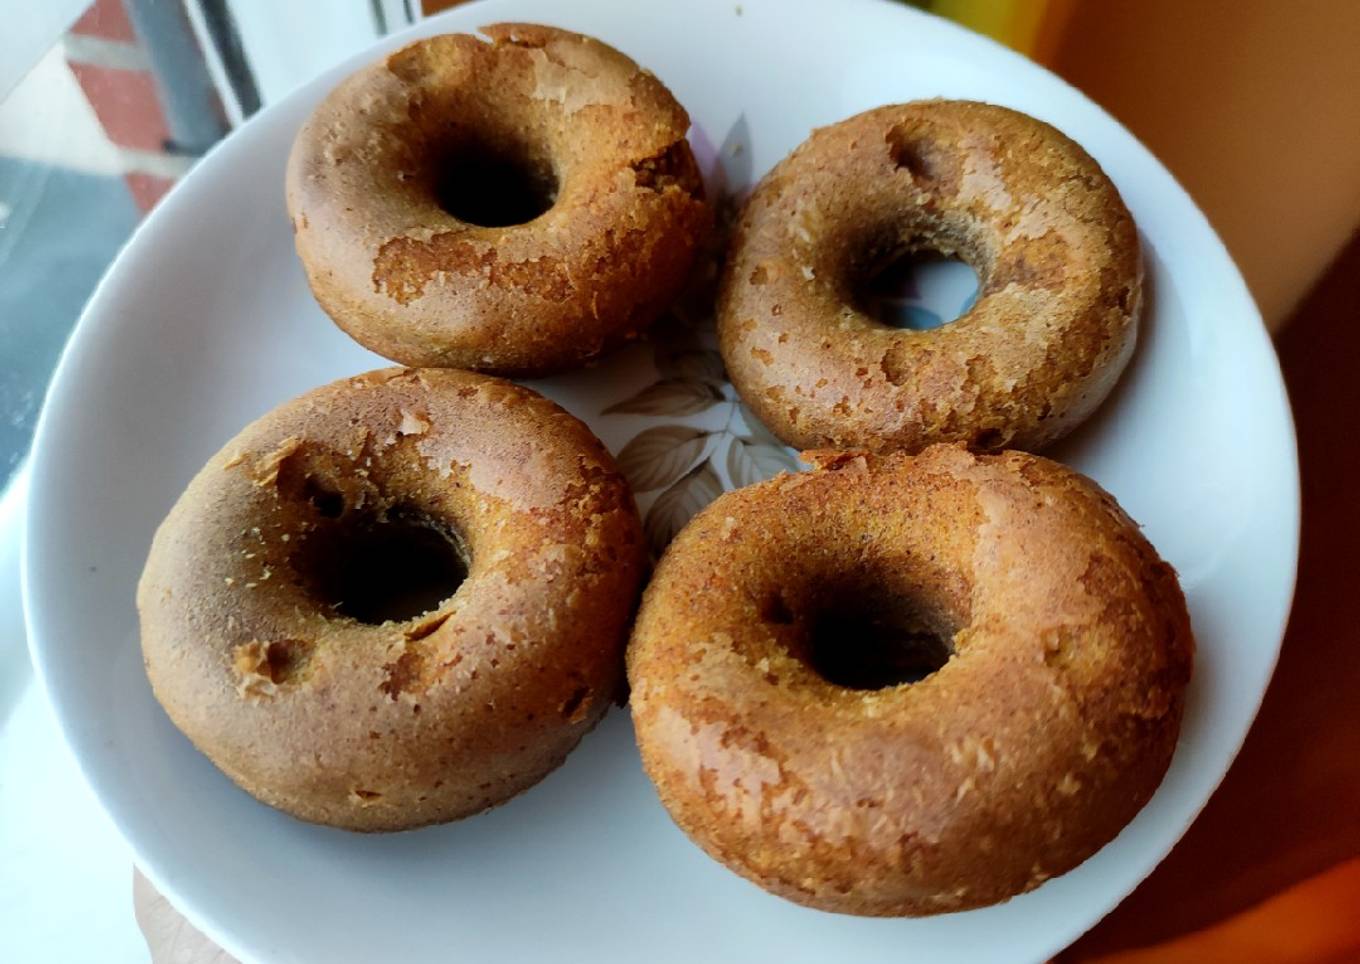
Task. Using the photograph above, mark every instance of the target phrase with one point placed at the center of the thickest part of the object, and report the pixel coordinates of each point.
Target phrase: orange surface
(1318, 920)
(1253, 104)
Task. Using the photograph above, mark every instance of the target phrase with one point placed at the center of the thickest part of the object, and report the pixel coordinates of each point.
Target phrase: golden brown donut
(1054, 248)
(408, 185)
(1057, 648)
(266, 598)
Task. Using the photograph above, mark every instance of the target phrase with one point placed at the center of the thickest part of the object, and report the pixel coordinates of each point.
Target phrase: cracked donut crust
(1044, 733)
(418, 285)
(1055, 250)
(397, 724)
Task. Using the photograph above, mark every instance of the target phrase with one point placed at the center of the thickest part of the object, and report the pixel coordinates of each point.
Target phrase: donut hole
(868, 640)
(392, 566)
(917, 289)
(494, 185)
(859, 651)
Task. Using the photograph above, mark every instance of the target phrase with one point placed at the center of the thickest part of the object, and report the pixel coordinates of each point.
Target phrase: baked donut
(903, 685)
(517, 205)
(299, 616)
(1055, 250)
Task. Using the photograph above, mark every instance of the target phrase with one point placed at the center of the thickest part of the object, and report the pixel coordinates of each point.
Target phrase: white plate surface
(205, 322)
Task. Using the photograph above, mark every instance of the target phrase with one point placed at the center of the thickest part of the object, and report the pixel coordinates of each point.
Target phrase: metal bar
(192, 111)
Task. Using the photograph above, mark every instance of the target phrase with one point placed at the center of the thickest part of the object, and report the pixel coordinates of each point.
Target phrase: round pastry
(904, 685)
(515, 206)
(396, 600)
(1054, 248)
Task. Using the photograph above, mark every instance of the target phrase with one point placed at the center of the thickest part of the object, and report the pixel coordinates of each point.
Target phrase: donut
(515, 204)
(902, 685)
(397, 600)
(1055, 251)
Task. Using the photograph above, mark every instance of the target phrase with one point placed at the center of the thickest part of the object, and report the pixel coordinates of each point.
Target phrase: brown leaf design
(751, 462)
(673, 396)
(658, 456)
(702, 363)
(678, 504)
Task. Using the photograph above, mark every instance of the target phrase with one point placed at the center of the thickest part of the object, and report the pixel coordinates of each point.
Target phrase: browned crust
(1032, 747)
(415, 284)
(1053, 244)
(384, 727)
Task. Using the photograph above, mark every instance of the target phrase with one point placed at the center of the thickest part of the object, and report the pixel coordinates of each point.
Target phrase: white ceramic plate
(205, 322)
